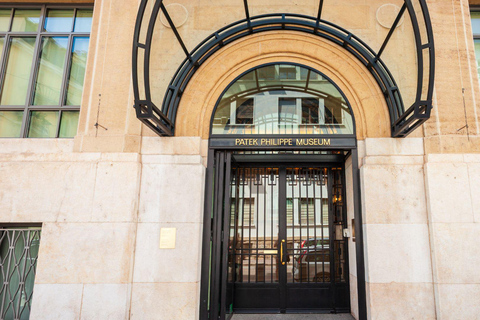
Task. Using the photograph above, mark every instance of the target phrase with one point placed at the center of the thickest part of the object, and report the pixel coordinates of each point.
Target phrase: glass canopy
(282, 99)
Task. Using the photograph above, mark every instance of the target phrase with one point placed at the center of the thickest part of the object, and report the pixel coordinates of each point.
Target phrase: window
(333, 113)
(310, 111)
(287, 111)
(246, 211)
(18, 262)
(309, 211)
(475, 15)
(43, 58)
(245, 112)
(282, 99)
(287, 72)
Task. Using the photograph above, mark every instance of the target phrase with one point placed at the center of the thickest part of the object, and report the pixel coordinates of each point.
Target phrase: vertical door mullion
(314, 186)
(282, 219)
(331, 232)
(250, 173)
(226, 235)
(346, 265)
(217, 230)
(207, 228)
(257, 177)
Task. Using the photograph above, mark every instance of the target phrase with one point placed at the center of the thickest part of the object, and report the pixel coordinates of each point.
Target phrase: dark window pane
(83, 21)
(267, 73)
(68, 124)
(43, 124)
(288, 72)
(26, 20)
(475, 22)
(287, 111)
(309, 111)
(50, 73)
(245, 112)
(333, 113)
(77, 71)
(5, 19)
(19, 65)
(477, 54)
(304, 73)
(59, 20)
(10, 124)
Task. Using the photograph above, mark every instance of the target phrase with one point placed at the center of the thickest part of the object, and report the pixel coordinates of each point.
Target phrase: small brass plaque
(167, 238)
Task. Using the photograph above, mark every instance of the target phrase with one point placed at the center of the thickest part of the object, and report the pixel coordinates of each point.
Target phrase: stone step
(342, 316)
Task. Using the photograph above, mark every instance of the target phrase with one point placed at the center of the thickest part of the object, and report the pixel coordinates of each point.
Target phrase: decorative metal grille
(18, 261)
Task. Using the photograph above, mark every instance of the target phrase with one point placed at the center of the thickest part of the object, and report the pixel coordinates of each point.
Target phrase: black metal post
(392, 29)
(360, 252)
(207, 233)
(247, 15)
(226, 236)
(319, 15)
(217, 234)
(174, 29)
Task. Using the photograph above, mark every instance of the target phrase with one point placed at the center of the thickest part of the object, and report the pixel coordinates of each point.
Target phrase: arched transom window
(282, 99)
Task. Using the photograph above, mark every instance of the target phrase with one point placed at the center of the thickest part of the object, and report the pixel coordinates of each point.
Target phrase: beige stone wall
(103, 197)
(397, 249)
(101, 215)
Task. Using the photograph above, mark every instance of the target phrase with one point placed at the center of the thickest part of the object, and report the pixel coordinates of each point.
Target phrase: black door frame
(213, 289)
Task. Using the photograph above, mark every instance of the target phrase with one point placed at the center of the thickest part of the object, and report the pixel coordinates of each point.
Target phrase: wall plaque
(167, 238)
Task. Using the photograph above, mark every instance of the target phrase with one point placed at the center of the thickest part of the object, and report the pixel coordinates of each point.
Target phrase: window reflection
(282, 99)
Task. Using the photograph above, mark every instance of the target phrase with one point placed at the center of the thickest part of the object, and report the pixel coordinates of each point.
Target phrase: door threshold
(290, 316)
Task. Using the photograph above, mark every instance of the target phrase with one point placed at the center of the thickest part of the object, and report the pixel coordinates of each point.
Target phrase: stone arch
(354, 80)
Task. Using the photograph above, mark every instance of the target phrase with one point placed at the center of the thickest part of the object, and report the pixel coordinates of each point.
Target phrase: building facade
(315, 157)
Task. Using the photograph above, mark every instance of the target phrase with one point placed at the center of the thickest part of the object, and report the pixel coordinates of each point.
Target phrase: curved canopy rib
(161, 119)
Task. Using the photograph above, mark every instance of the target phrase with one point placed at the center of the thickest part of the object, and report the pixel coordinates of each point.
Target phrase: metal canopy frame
(161, 119)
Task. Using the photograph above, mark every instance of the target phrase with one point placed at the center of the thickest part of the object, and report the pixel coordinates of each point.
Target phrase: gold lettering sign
(312, 142)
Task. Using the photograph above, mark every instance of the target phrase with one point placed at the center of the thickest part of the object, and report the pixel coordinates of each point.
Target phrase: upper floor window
(475, 15)
(43, 57)
(282, 99)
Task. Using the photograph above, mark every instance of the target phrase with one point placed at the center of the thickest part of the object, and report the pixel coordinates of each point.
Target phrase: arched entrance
(275, 225)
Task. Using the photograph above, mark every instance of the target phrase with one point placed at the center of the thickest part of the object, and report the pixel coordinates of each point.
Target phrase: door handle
(281, 252)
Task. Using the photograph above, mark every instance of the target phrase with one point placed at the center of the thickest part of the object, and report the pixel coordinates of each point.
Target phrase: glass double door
(286, 250)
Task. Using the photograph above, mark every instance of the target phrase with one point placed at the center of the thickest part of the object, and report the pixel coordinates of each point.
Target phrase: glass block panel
(19, 65)
(59, 20)
(43, 124)
(68, 124)
(26, 20)
(77, 71)
(83, 21)
(5, 19)
(50, 72)
(475, 22)
(10, 124)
